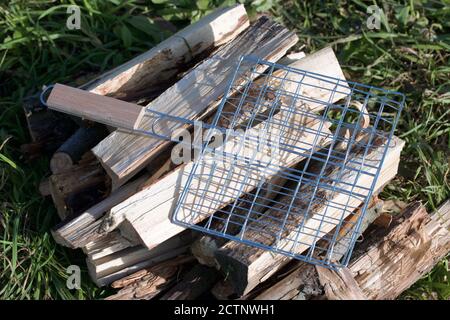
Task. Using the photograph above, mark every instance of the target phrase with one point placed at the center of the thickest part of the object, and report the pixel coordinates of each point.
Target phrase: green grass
(410, 54)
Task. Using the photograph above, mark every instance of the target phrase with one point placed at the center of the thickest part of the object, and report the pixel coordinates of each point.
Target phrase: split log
(413, 245)
(47, 129)
(71, 151)
(105, 246)
(147, 283)
(123, 154)
(249, 266)
(160, 64)
(85, 228)
(109, 268)
(322, 62)
(194, 283)
(78, 189)
(339, 284)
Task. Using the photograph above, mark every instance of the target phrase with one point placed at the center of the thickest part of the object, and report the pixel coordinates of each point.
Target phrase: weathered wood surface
(414, 243)
(161, 63)
(149, 282)
(386, 263)
(323, 62)
(71, 151)
(251, 266)
(123, 154)
(106, 245)
(78, 188)
(339, 284)
(105, 269)
(85, 228)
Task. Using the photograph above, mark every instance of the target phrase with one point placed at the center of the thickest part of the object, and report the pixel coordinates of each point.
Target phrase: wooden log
(103, 109)
(301, 280)
(123, 154)
(323, 62)
(109, 268)
(248, 266)
(44, 187)
(85, 228)
(158, 65)
(77, 189)
(411, 247)
(71, 151)
(194, 283)
(147, 283)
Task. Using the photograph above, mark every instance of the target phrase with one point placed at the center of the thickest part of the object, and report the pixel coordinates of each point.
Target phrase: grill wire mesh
(290, 161)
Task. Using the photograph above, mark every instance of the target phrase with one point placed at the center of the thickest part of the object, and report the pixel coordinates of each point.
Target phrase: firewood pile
(114, 190)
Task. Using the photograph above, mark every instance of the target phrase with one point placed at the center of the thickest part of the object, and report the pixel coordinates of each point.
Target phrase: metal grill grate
(290, 162)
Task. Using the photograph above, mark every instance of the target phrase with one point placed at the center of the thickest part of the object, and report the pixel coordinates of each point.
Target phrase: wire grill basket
(290, 162)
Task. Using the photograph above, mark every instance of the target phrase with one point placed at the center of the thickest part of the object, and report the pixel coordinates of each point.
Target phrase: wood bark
(194, 283)
(147, 283)
(71, 151)
(123, 154)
